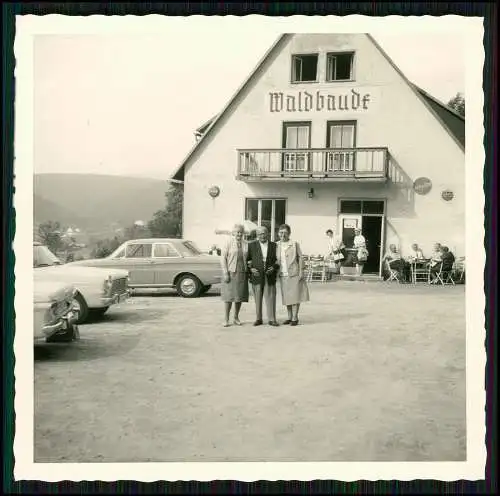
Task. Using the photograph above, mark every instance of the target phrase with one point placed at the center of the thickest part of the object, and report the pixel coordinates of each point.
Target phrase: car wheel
(206, 289)
(81, 305)
(189, 286)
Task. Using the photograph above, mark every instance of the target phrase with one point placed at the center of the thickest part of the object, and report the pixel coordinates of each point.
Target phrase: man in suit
(263, 266)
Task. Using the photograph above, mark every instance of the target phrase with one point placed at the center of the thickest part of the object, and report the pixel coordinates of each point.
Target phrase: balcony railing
(321, 163)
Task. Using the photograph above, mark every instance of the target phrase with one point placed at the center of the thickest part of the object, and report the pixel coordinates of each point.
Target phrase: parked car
(163, 263)
(54, 312)
(97, 289)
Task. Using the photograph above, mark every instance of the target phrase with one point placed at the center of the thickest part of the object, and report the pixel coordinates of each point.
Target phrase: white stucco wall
(396, 118)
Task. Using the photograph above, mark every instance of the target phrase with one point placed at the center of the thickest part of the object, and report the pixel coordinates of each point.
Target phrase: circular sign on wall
(214, 191)
(422, 185)
(447, 195)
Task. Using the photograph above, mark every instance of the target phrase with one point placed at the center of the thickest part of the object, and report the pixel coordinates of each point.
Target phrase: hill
(96, 203)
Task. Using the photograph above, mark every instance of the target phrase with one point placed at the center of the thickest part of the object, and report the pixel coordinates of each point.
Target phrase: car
(54, 312)
(160, 263)
(97, 289)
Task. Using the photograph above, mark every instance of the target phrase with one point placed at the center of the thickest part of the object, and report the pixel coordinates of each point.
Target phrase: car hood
(45, 291)
(74, 273)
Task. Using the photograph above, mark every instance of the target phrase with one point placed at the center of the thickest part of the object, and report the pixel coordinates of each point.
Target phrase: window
(339, 66)
(139, 250)
(341, 135)
(189, 249)
(270, 213)
(164, 251)
(296, 135)
(304, 68)
(366, 207)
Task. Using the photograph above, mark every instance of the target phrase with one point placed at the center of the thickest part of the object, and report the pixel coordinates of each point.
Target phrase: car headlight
(108, 283)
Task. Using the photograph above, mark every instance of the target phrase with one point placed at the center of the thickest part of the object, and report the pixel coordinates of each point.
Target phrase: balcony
(338, 164)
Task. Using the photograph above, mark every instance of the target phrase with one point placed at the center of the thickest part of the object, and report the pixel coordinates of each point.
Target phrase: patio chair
(393, 273)
(444, 276)
(316, 269)
(420, 271)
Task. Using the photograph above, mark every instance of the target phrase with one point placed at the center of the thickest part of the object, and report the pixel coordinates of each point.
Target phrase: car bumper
(62, 326)
(113, 300)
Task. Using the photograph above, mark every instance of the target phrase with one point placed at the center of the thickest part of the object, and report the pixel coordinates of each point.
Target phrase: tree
(457, 103)
(167, 223)
(49, 233)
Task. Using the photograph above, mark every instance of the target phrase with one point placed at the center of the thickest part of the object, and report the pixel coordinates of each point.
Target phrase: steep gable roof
(451, 119)
(433, 105)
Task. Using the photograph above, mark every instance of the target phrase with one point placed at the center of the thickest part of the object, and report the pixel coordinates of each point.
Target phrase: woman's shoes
(287, 322)
(237, 321)
(294, 322)
(226, 324)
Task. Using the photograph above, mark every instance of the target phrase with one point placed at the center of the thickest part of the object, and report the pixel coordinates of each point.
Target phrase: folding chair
(316, 270)
(444, 276)
(393, 273)
(420, 271)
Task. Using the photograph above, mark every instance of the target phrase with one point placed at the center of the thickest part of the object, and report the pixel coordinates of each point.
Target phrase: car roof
(155, 240)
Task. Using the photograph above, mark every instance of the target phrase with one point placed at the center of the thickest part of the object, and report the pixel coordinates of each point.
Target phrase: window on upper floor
(339, 66)
(304, 68)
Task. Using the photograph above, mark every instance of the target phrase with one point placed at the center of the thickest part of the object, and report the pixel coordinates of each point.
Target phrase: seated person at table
(436, 256)
(396, 262)
(445, 265)
(416, 253)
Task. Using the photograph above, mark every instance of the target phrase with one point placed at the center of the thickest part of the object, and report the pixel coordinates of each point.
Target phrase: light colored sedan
(97, 289)
(54, 312)
(163, 263)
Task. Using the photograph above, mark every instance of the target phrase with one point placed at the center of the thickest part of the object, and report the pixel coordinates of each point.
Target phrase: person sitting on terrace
(416, 253)
(445, 265)
(396, 262)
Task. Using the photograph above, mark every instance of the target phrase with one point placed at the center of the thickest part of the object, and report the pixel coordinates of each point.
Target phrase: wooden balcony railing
(321, 163)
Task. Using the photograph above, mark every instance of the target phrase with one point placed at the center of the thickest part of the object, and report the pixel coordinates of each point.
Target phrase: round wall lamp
(447, 195)
(214, 191)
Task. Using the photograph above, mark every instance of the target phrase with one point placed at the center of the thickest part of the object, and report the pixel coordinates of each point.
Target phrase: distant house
(327, 132)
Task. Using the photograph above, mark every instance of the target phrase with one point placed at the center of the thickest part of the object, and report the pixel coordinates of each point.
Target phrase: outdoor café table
(419, 267)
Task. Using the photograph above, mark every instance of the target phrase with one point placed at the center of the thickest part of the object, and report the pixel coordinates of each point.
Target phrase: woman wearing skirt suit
(234, 275)
(294, 289)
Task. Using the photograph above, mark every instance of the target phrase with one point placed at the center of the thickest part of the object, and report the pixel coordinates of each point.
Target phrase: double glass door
(296, 135)
(341, 135)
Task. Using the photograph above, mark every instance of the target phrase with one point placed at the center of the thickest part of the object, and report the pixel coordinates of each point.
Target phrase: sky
(128, 105)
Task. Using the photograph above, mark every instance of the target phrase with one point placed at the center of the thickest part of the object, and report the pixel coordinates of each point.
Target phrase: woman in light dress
(294, 289)
(361, 251)
(234, 275)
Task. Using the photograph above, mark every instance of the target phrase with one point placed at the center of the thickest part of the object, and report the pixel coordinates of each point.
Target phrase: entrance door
(371, 229)
(342, 135)
(296, 135)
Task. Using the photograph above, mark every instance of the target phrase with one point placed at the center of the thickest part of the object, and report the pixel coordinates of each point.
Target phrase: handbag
(337, 257)
(362, 255)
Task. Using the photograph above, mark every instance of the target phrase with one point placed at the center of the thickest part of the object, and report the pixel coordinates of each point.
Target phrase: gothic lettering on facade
(304, 101)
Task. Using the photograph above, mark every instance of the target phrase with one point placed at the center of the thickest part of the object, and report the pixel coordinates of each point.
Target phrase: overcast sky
(129, 104)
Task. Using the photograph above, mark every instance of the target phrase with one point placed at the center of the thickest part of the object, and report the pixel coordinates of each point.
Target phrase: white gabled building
(327, 132)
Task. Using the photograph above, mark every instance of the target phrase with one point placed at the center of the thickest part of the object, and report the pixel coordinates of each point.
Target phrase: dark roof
(451, 119)
(202, 129)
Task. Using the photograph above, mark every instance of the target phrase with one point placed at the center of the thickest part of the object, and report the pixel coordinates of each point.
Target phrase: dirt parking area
(374, 372)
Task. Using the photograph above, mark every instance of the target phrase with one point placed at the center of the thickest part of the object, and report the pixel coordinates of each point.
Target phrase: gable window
(304, 68)
(270, 213)
(339, 66)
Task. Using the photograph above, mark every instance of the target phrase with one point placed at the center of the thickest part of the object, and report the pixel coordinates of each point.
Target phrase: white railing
(324, 162)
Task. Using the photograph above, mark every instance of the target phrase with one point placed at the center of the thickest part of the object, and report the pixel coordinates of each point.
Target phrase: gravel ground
(374, 372)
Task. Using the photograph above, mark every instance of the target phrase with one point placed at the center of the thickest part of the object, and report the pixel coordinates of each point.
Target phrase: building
(328, 133)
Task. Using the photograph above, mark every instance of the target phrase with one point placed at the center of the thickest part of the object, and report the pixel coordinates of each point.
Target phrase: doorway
(369, 216)
(371, 228)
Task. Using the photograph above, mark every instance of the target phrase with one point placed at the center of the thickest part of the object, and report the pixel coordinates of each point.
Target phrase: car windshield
(188, 249)
(43, 257)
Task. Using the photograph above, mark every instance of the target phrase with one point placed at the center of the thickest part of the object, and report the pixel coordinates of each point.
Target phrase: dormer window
(339, 66)
(305, 68)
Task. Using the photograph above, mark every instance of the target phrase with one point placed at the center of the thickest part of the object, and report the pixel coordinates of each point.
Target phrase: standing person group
(262, 263)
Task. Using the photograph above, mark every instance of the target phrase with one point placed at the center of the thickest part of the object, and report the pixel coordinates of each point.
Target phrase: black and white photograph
(253, 256)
